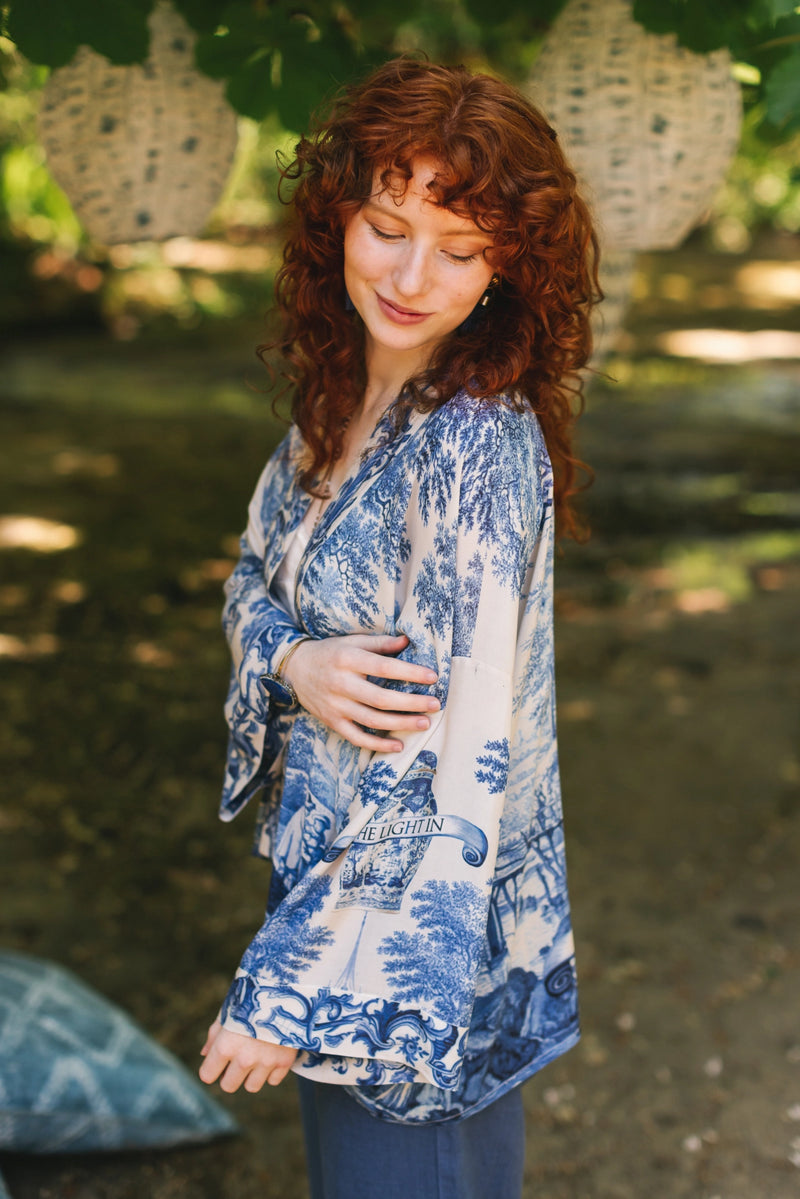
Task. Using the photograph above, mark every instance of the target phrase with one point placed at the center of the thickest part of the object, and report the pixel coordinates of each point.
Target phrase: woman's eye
(383, 235)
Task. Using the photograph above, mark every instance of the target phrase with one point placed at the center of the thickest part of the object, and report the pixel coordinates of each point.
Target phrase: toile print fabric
(417, 946)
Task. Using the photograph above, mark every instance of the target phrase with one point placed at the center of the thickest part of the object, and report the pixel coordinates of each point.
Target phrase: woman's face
(413, 270)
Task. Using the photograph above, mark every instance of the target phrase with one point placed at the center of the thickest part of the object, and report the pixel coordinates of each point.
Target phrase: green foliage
(762, 33)
(202, 15)
(488, 12)
(32, 206)
(279, 64)
(283, 57)
(701, 27)
(783, 91)
(781, 8)
(276, 60)
(31, 202)
(50, 31)
(761, 189)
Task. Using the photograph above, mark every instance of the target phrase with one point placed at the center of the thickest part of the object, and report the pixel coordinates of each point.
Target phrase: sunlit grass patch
(712, 574)
(37, 533)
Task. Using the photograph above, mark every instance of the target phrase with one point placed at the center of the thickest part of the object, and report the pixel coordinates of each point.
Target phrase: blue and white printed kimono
(417, 946)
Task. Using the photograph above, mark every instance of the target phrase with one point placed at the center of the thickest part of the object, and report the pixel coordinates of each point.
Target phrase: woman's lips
(400, 316)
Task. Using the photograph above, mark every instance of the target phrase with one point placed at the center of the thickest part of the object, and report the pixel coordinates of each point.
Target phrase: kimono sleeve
(259, 632)
(370, 963)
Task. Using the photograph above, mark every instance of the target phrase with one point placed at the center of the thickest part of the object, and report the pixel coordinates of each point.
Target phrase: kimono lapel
(383, 445)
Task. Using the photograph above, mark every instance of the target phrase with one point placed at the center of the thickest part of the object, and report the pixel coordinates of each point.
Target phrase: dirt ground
(678, 673)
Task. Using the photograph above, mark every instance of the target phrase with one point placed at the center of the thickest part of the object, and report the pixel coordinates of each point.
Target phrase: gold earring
(486, 298)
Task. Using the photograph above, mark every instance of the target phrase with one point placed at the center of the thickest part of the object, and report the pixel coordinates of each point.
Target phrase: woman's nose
(411, 273)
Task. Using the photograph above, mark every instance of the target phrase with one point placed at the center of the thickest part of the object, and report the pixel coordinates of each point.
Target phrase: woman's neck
(387, 374)
(376, 400)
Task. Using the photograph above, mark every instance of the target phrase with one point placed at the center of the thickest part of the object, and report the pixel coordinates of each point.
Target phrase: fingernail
(434, 705)
(423, 723)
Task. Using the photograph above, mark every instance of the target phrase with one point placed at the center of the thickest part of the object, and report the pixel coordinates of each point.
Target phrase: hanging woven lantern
(142, 152)
(649, 126)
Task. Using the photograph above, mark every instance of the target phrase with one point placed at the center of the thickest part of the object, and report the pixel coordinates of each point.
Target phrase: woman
(390, 622)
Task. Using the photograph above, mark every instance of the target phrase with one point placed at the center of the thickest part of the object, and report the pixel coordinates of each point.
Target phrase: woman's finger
(370, 662)
(386, 643)
(211, 1037)
(256, 1079)
(386, 721)
(332, 680)
(235, 1074)
(213, 1065)
(370, 654)
(371, 695)
(277, 1075)
(364, 740)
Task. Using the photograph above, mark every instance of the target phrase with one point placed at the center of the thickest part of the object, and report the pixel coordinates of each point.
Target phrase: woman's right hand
(330, 679)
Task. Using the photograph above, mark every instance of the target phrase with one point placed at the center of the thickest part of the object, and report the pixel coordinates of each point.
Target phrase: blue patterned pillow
(77, 1074)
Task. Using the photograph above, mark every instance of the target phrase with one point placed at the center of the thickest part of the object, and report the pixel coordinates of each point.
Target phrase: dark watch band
(279, 690)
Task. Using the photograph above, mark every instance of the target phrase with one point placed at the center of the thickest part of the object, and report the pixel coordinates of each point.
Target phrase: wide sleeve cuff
(348, 1037)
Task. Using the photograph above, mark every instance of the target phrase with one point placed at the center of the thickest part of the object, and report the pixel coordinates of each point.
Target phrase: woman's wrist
(278, 684)
(283, 667)
(280, 669)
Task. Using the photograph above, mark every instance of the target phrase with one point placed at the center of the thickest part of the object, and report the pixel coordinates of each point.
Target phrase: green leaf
(246, 17)
(118, 31)
(781, 8)
(276, 60)
(788, 27)
(490, 12)
(537, 16)
(202, 15)
(390, 13)
(245, 33)
(783, 92)
(313, 60)
(296, 99)
(701, 27)
(310, 73)
(250, 90)
(43, 30)
(222, 55)
(658, 16)
(50, 31)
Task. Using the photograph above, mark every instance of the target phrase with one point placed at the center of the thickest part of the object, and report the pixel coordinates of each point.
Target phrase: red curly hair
(501, 166)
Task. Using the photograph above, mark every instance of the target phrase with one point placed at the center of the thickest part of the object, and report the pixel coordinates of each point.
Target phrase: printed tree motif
(377, 783)
(495, 766)
(436, 965)
(496, 497)
(465, 614)
(435, 470)
(436, 582)
(288, 941)
(443, 597)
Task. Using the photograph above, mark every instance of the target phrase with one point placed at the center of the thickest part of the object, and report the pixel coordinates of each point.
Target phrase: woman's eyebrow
(395, 216)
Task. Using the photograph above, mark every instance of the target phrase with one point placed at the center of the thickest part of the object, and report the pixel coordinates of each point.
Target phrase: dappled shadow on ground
(678, 675)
